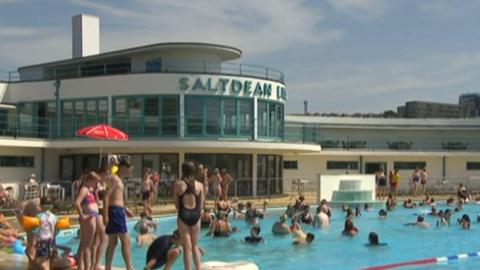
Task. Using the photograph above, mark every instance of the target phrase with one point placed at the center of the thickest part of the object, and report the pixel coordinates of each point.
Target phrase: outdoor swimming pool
(332, 251)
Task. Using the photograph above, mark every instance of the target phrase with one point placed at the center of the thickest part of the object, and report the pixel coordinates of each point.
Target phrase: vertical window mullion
(160, 115)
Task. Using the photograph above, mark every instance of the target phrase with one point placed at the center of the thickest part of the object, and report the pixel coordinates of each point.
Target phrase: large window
(269, 175)
(270, 119)
(342, 165)
(147, 115)
(239, 166)
(218, 116)
(17, 161)
(78, 113)
(471, 166)
(409, 165)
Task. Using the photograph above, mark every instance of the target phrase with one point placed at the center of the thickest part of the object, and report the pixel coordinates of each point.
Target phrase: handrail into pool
(425, 261)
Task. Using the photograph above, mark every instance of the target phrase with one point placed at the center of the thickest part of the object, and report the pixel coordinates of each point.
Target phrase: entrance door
(372, 167)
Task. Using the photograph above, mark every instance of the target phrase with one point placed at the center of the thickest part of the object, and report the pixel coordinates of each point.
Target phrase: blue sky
(340, 55)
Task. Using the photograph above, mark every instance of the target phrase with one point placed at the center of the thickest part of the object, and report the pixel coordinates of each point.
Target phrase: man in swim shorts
(114, 216)
(163, 251)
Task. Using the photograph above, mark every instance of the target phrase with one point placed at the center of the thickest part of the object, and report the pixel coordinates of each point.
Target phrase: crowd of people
(389, 185)
(102, 216)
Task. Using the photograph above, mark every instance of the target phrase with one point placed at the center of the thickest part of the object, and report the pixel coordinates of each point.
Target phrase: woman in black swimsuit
(189, 201)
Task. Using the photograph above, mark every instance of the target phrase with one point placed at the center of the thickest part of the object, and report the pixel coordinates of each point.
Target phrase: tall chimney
(85, 35)
(305, 106)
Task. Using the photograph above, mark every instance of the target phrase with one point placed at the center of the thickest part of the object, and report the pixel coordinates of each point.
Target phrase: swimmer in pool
(409, 204)
(464, 221)
(373, 240)
(350, 229)
(382, 214)
(207, 218)
(302, 238)
(254, 237)
(280, 227)
(419, 223)
(321, 219)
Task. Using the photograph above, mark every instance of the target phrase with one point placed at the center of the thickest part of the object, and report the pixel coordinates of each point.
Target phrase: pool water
(330, 250)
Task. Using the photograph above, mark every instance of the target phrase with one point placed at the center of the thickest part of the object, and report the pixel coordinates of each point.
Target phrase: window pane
(134, 116)
(68, 119)
(194, 115)
(262, 118)
(17, 161)
(279, 121)
(409, 165)
(473, 166)
(151, 116)
(120, 113)
(102, 110)
(246, 118)
(154, 65)
(91, 112)
(290, 164)
(272, 116)
(229, 117)
(170, 115)
(342, 165)
(213, 113)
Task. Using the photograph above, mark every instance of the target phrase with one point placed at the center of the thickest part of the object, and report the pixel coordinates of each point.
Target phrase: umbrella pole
(100, 157)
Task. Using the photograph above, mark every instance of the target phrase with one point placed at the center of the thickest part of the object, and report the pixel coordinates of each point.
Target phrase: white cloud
(361, 9)
(253, 26)
(16, 31)
(410, 79)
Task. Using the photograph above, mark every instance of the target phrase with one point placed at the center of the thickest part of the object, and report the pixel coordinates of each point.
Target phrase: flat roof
(400, 122)
(225, 52)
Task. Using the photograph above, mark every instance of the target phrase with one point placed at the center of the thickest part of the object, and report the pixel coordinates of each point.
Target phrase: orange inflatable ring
(63, 224)
(30, 223)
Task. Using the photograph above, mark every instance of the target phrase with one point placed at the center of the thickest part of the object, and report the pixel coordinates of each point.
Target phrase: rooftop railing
(164, 66)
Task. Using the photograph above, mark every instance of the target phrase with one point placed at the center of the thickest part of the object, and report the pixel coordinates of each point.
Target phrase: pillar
(181, 159)
(254, 174)
(182, 116)
(255, 123)
(110, 110)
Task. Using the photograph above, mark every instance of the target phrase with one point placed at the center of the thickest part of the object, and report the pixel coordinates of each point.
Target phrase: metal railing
(166, 66)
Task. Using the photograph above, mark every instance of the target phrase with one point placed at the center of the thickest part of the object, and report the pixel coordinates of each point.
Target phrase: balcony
(167, 66)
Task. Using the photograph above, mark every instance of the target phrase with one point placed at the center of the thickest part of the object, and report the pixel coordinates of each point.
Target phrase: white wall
(3, 89)
(20, 173)
(330, 183)
(131, 84)
(309, 165)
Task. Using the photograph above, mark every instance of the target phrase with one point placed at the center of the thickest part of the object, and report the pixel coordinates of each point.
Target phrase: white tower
(85, 35)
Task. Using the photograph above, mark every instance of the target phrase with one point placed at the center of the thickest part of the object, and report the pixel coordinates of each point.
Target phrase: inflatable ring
(114, 169)
(63, 224)
(18, 247)
(239, 265)
(30, 223)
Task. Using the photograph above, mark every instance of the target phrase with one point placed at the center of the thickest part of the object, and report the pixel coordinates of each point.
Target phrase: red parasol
(103, 132)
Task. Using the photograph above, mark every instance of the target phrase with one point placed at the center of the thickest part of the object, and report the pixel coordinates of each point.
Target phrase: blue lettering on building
(235, 87)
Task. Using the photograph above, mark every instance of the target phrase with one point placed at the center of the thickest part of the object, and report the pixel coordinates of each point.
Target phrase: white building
(188, 101)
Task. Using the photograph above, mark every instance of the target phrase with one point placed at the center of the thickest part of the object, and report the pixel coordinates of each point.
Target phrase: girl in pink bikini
(87, 208)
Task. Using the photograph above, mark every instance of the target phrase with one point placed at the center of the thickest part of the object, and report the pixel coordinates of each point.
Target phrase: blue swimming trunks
(117, 220)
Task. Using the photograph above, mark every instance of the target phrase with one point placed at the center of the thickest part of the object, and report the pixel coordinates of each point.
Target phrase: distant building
(469, 105)
(423, 109)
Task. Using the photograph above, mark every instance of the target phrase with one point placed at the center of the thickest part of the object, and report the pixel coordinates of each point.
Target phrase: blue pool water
(332, 251)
